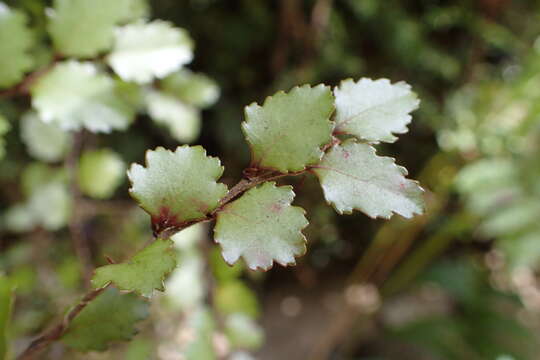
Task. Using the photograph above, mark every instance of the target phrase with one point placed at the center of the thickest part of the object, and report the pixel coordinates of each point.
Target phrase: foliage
(87, 87)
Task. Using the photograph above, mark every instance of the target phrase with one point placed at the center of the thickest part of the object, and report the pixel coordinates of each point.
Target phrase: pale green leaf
(144, 51)
(76, 95)
(262, 227)
(353, 177)
(51, 205)
(186, 284)
(288, 131)
(177, 187)
(183, 121)
(15, 42)
(143, 273)
(37, 174)
(374, 110)
(100, 172)
(234, 297)
(243, 332)
(202, 326)
(19, 218)
(84, 28)
(192, 88)
(4, 128)
(110, 317)
(46, 142)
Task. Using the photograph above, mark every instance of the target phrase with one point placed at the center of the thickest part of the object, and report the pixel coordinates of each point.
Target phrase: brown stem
(23, 88)
(58, 331)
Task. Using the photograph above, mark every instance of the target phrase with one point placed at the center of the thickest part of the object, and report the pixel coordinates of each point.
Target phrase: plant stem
(58, 331)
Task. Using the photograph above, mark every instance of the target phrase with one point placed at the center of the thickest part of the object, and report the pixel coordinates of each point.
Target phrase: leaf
(354, 177)
(183, 121)
(262, 227)
(16, 40)
(100, 172)
(143, 273)
(144, 51)
(50, 206)
(177, 187)
(46, 142)
(288, 131)
(7, 296)
(192, 88)
(4, 128)
(60, 98)
(84, 28)
(374, 110)
(110, 317)
(235, 297)
(243, 332)
(202, 326)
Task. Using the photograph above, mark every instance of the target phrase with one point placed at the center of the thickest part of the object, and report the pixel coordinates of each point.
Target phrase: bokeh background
(459, 282)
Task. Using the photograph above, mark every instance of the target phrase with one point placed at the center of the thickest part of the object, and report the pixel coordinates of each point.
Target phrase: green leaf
(354, 177)
(7, 296)
(262, 227)
(46, 142)
(243, 332)
(183, 121)
(50, 205)
(15, 42)
(234, 297)
(84, 28)
(288, 131)
(100, 172)
(4, 128)
(144, 51)
(60, 97)
(202, 327)
(143, 273)
(177, 187)
(374, 110)
(110, 317)
(192, 88)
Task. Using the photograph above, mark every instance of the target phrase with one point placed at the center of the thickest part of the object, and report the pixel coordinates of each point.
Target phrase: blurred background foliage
(460, 282)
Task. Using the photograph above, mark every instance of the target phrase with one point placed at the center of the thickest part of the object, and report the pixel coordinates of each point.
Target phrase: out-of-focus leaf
(287, 132)
(6, 305)
(202, 326)
(4, 128)
(374, 110)
(262, 227)
(16, 39)
(221, 270)
(177, 187)
(109, 318)
(183, 121)
(76, 95)
(243, 332)
(100, 172)
(354, 177)
(84, 28)
(192, 88)
(46, 142)
(235, 297)
(143, 273)
(144, 51)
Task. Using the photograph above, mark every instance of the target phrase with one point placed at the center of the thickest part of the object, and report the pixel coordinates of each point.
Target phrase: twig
(23, 88)
(58, 331)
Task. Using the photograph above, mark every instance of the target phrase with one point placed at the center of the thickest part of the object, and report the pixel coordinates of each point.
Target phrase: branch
(58, 331)
(23, 88)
